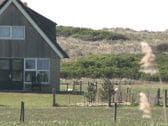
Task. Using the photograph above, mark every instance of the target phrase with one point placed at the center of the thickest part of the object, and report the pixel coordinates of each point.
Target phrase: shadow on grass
(3, 105)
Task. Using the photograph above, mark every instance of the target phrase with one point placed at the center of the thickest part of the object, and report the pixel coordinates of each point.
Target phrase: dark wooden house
(28, 48)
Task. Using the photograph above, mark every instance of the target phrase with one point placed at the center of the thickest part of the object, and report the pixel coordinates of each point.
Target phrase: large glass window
(37, 69)
(12, 32)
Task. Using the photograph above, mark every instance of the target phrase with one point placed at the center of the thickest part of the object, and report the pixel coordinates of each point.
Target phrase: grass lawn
(39, 112)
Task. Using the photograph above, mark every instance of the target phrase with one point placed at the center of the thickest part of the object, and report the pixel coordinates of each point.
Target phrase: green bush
(163, 47)
(91, 92)
(106, 91)
(102, 66)
(89, 34)
(113, 66)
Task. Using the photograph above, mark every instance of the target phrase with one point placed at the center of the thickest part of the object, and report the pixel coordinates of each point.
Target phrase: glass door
(16, 74)
(11, 74)
(4, 74)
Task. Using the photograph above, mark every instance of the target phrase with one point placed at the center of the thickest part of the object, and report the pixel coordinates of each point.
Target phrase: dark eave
(46, 25)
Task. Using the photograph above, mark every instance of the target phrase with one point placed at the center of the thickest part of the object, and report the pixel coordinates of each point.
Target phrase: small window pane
(5, 32)
(17, 76)
(29, 75)
(43, 76)
(30, 64)
(18, 32)
(42, 65)
(17, 65)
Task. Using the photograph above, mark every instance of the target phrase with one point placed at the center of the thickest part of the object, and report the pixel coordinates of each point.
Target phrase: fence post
(109, 97)
(22, 112)
(127, 95)
(69, 98)
(67, 86)
(132, 99)
(120, 100)
(53, 101)
(158, 96)
(165, 97)
(115, 112)
(80, 86)
(74, 83)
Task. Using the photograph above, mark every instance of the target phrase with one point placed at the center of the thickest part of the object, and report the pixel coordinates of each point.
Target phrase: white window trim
(10, 36)
(36, 70)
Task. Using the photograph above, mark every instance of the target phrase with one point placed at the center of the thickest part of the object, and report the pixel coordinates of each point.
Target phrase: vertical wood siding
(33, 45)
(55, 72)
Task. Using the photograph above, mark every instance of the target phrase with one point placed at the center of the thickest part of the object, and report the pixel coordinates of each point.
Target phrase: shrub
(113, 66)
(89, 34)
(91, 92)
(101, 66)
(107, 91)
(162, 47)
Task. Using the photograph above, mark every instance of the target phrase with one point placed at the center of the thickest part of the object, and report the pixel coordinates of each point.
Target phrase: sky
(151, 15)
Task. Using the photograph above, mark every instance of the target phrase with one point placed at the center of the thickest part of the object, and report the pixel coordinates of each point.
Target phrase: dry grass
(76, 47)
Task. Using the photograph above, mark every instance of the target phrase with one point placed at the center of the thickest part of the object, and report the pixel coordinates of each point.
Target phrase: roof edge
(56, 48)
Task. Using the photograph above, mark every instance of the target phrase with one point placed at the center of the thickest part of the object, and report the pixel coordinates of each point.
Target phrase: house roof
(45, 25)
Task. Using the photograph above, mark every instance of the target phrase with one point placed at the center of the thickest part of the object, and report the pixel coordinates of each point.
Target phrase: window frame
(25, 69)
(36, 69)
(11, 35)
(42, 69)
(17, 38)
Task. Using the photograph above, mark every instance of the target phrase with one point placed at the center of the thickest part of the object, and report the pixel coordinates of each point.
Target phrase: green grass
(39, 112)
(77, 116)
(37, 100)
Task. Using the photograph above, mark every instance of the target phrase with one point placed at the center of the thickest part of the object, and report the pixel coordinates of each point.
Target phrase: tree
(107, 91)
(91, 92)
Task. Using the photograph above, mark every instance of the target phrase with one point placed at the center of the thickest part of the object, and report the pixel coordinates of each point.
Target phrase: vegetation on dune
(112, 66)
(162, 48)
(89, 34)
(84, 41)
(110, 34)
(108, 58)
(102, 66)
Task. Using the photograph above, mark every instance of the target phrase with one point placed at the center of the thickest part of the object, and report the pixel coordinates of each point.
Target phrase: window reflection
(29, 75)
(43, 76)
(37, 68)
(42, 64)
(30, 64)
(17, 76)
